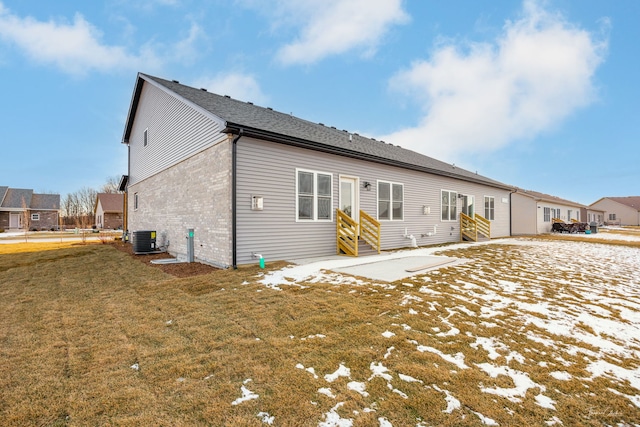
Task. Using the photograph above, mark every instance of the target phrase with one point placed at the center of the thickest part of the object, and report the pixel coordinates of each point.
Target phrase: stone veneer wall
(195, 193)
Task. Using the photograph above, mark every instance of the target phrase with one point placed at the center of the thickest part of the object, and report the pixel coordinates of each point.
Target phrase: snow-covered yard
(524, 331)
(547, 328)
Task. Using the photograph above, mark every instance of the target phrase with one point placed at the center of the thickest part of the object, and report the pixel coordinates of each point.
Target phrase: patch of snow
(457, 359)
(384, 422)
(486, 420)
(135, 367)
(358, 388)
(634, 399)
(327, 392)
(520, 379)
(601, 368)
(266, 418)
(561, 375)
(246, 395)
(395, 390)
(388, 334)
(332, 419)
(553, 421)
(452, 403)
(545, 402)
(342, 371)
(379, 371)
(409, 379)
(388, 353)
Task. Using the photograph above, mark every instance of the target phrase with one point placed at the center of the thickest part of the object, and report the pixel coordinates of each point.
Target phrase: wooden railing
(346, 234)
(483, 225)
(370, 230)
(468, 228)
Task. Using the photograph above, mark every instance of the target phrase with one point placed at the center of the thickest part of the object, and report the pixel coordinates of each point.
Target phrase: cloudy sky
(542, 95)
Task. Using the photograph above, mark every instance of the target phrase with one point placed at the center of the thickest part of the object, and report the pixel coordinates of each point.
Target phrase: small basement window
(35, 217)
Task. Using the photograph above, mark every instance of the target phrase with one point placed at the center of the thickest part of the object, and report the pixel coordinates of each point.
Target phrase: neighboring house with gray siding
(108, 210)
(619, 210)
(533, 212)
(250, 180)
(17, 205)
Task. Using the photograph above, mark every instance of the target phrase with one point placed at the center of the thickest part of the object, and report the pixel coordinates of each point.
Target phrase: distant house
(591, 214)
(24, 209)
(254, 182)
(619, 210)
(533, 212)
(109, 210)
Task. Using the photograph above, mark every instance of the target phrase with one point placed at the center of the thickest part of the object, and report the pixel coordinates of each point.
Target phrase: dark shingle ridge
(239, 114)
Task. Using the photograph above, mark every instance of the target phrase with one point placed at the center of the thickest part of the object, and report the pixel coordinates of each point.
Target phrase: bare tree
(111, 186)
(25, 218)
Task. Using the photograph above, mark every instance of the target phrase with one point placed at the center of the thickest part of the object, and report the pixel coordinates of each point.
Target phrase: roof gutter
(234, 202)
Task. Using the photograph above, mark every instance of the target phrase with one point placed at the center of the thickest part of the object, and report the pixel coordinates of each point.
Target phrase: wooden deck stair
(476, 229)
(353, 238)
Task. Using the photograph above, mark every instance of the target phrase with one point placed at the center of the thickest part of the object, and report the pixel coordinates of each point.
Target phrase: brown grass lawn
(89, 335)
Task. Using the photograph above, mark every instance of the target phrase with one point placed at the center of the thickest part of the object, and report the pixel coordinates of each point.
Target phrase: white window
(314, 196)
(547, 214)
(390, 201)
(135, 201)
(35, 217)
(145, 137)
(612, 217)
(490, 208)
(449, 200)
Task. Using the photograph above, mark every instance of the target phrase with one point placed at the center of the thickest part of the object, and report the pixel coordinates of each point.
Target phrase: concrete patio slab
(391, 270)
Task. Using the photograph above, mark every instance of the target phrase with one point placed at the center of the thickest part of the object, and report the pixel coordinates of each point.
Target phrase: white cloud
(240, 86)
(73, 47)
(482, 97)
(330, 27)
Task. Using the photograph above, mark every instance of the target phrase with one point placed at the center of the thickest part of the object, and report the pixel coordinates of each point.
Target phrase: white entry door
(349, 196)
(14, 220)
(468, 207)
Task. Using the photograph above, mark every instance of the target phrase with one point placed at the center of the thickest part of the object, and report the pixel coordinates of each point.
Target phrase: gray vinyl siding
(524, 215)
(269, 170)
(625, 215)
(176, 131)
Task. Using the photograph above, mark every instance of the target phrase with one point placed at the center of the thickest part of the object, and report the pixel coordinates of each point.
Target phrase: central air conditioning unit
(144, 242)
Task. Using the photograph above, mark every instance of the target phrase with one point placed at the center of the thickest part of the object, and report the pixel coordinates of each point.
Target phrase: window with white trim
(612, 217)
(448, 205)
(135, 201)
(390, 201)
(547, 215)
(490, 207)
(35, 217)
(313, 196)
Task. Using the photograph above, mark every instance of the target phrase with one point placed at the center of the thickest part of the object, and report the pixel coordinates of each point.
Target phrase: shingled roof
(265, 123)
(110, 202)
(548, 198)
(631, 201)
(19, 198)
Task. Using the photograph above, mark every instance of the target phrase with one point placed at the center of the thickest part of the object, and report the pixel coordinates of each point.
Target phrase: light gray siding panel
(524, 215)
(175, 132)
(269, 170)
